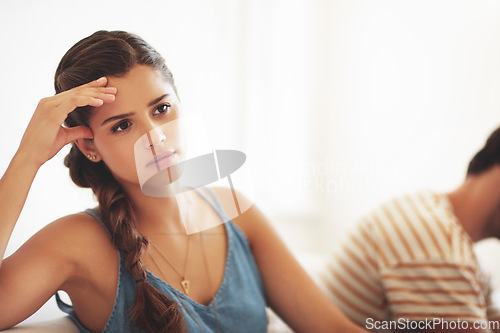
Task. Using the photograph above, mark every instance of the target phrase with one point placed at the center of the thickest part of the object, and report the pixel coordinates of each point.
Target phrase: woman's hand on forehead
(45, 135)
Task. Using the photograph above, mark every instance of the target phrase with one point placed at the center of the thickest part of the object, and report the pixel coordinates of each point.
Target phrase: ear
(87, 148)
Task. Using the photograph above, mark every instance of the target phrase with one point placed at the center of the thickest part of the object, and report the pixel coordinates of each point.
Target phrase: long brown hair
(114, 53)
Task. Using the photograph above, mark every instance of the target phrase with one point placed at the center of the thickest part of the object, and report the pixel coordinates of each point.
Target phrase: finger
(95, 86)
(77, 132)
(109, 90)
(75, 101)
(60, 112)
(100, 100)
(96, 102)
(100, 82)
(94, 90)
(103, 95)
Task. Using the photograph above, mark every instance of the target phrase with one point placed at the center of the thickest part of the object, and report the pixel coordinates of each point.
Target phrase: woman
(111, 89)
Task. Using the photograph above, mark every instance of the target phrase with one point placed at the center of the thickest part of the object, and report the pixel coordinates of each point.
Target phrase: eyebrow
(125, 115)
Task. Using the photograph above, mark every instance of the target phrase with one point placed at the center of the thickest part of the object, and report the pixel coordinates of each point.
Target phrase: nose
(154, 137)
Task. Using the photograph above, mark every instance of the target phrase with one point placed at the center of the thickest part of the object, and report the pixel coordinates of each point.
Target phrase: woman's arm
(290, 291)
(14, 188)
(30, 276)
(43, 138)
(73, 254)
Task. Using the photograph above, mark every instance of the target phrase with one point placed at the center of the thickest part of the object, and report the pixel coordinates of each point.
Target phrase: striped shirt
(409, 259)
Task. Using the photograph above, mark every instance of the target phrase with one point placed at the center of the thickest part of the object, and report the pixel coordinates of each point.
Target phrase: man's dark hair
(487, 157)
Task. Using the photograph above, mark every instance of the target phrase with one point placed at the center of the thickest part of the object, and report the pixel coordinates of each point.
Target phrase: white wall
(412, 93)
(339, 104)
(351, 102)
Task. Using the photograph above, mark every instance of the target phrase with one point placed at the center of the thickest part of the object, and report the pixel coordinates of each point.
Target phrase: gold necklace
(175, 290)
(185, 283)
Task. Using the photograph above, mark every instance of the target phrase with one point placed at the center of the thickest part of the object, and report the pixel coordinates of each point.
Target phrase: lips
(163, 159)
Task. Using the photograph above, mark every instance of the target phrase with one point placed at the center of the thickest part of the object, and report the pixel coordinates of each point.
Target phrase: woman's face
(145, 102)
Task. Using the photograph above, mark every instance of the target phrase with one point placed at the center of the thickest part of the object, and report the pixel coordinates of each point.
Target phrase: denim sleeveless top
(240, 301)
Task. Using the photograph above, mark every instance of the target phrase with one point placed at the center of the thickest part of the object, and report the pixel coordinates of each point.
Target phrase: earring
(91, 157)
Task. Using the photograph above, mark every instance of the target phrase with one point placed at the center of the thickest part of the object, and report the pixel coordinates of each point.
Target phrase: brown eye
(163, 108)
(121, 126)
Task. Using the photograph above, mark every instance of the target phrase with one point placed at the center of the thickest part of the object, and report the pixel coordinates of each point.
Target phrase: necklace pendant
(185, 285)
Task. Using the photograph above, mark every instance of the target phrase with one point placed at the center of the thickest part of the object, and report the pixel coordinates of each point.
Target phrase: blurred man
(410, 263)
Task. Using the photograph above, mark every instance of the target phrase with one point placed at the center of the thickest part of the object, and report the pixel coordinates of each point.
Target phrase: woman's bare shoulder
(74, 236)
(240, 209)
(76, 227)
(79, 241)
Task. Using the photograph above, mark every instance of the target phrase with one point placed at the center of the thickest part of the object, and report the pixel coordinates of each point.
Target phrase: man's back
(408, 259)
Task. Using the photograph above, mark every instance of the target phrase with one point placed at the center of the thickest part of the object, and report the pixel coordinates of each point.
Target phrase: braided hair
(114, 53)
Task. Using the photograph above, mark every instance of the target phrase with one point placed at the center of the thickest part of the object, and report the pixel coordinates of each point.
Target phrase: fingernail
(101, 80)
(111, 89)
